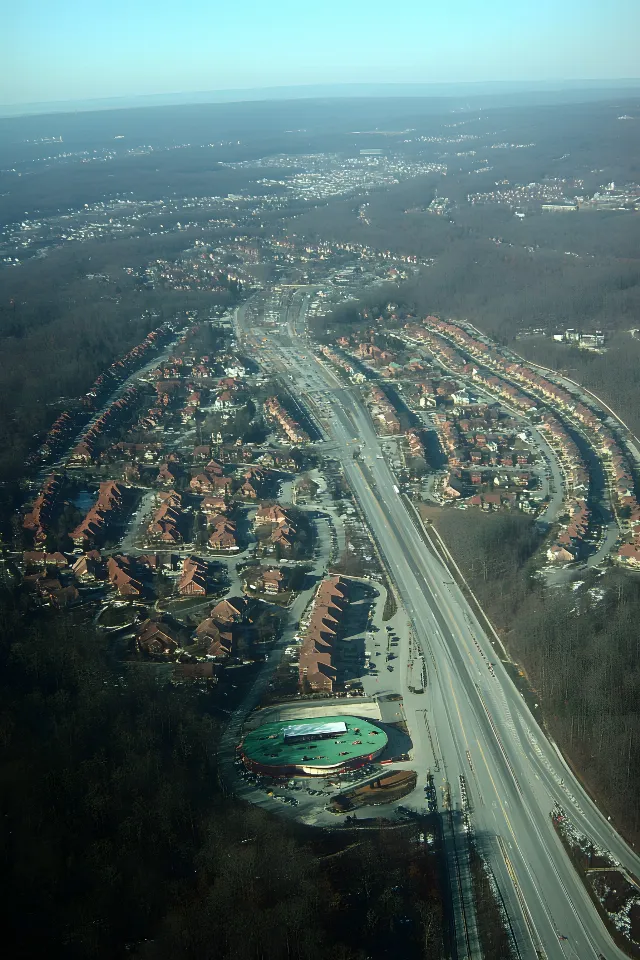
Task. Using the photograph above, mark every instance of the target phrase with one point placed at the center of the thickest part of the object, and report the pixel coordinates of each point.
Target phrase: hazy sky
(80, 49)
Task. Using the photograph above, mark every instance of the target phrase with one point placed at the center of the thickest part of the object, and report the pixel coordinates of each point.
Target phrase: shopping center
(313, 747)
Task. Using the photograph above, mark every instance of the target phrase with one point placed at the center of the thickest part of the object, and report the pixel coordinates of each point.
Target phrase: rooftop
(326, 743)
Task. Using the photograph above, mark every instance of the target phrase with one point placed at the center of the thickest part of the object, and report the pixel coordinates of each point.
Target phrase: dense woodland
(580, 649)
(117, 838)
(613, 376)
(505, 273)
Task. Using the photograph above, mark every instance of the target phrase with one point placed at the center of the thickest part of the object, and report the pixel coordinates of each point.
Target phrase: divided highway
(471, 722)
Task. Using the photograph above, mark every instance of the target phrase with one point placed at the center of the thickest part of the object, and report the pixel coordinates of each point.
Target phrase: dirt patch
(616, 898)
(611, 888)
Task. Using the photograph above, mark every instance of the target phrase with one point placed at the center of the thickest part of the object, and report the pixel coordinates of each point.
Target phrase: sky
(52, 50)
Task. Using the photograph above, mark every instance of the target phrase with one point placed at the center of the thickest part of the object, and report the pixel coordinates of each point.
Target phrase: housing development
(241, 506)
(242, 503)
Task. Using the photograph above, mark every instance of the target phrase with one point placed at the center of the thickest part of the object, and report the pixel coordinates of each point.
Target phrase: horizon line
(303, 91)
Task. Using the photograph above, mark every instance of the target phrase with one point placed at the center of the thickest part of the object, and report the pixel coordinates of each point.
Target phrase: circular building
(314, 747)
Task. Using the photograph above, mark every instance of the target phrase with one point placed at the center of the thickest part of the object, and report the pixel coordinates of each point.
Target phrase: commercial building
(314, 747)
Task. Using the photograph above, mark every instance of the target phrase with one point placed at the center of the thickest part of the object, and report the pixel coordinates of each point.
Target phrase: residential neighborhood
(484, 430)
(187, 519)
(190, 480)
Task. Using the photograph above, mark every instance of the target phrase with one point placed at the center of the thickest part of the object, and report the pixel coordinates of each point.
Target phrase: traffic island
(615, 892)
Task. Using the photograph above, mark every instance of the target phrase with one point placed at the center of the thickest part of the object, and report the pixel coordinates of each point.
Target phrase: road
(118, 391)
(610, 532)
(587, 396)
(480, 727)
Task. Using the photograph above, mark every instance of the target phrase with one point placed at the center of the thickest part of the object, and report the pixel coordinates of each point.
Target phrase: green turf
(266, 745)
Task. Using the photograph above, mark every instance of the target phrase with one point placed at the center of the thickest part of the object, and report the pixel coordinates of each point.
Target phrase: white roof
(314, 729)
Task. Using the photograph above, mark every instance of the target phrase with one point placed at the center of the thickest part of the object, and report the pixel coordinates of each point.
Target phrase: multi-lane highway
(471, 722)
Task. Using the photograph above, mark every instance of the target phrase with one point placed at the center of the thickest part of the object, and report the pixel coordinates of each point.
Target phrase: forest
(614, 376)
(118, 837)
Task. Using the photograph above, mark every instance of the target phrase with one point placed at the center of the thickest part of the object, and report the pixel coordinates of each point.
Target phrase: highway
(471, 722)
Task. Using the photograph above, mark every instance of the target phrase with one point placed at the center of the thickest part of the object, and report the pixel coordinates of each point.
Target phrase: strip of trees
(580, 649)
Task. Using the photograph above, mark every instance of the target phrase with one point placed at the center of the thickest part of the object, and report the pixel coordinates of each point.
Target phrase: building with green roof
(314, 747)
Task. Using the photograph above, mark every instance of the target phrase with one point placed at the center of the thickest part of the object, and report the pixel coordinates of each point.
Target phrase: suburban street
(471, 722)
(119, 390)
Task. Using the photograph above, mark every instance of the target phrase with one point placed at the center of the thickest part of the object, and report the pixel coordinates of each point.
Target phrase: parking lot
(305, 798)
